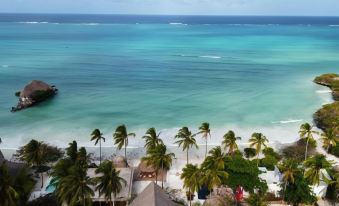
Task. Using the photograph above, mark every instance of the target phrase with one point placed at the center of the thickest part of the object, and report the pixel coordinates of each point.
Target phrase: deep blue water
(242, 73)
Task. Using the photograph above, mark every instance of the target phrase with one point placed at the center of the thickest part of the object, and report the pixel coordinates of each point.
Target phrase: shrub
(17, 94)
(268, 151)
(249, 152)
(269, 162)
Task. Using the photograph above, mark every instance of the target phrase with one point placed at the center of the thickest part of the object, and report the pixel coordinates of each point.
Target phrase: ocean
(247, 74)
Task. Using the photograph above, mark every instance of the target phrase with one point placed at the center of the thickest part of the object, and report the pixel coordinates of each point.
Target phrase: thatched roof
(119, 162)
(144, 168)
(13, 167)
(153, 195)
(35, 85)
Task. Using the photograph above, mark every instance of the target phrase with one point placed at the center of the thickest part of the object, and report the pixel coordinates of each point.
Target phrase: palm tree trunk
(328, 148)
(306, 148)
(42, 180)
(189, 195)
(162, 175)
(258, 159)
(125, 153)
(156, 177)
(284, 190)
(100, 151)
(206, 148)
(187, 156)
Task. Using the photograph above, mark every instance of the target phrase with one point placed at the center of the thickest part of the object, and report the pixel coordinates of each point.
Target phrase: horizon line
(197, 15)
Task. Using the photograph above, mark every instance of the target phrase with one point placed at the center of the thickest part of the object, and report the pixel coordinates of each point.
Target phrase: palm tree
(306, 132)
(158, 158)
(215, 159)
(109, 183)
(74, 189)
(34, 154)
(121, 137)
(329, 139)
(315, 167)
(186, 139)
(24, 184)
(205, 130)
(258, 140)
(191, 174)
(213, 168)
(152, 139)
(230, 142)
(8, 195)
(289, 169)
(97, 136)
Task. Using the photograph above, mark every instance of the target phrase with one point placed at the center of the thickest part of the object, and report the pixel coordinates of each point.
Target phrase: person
(239, 194)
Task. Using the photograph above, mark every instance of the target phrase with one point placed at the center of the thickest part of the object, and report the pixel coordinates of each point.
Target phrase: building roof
(153, 195)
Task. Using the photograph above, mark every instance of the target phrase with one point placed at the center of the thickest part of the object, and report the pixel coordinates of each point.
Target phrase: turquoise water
(241, 77)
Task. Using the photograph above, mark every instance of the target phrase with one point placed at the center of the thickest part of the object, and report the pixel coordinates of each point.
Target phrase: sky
(176, 7)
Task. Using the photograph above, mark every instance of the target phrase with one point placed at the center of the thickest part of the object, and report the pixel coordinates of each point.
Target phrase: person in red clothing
(239, 194)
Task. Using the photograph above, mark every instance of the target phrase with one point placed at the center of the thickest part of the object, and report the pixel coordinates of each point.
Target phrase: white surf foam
(288, 121)
(323, 91)
(177, 23)
(34, 22)
(210, 57)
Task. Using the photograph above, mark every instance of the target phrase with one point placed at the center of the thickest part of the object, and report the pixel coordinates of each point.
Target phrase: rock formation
(34, 93)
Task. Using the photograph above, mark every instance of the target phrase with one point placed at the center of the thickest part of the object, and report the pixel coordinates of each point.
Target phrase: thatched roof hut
(34, 86)
(153, 195)
(119, 162)
(144, 168)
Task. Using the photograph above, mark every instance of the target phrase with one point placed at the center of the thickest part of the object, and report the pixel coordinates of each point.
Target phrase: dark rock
(34, 93)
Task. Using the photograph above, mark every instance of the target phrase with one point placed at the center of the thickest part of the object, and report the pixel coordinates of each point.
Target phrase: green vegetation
(205, 130)
(330, 80)
(249, 152)
(41, 95)
(109, 184)
(97, 137)
(230, 142)
(258, 140)
(243, 172)
(158, 158)
(38, 154)
(15, 190)
(17, 94)
(121, 137)
(327, 118)
(152, 139)
(186, 140)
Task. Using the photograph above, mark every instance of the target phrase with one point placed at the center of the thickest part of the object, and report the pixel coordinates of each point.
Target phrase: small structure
(119, 162)
(34, 93)
(273, 179)
(145, 172)
(153, 195)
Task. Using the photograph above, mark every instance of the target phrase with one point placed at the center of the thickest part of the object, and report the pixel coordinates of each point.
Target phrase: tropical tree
(152, 139)
(215, 159)
(213, 168)
(315, 168)
(8, 195)
(121, 137)
(38, 154)
(186, 140)
(158, 158)
(191, 175)
(329, 139)
(230, 142)
(74, 189)
(289, 169)
(23, 183)
(306, 132)
(109, 183)
(97, 137)
(205, 130)
(258, 140)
